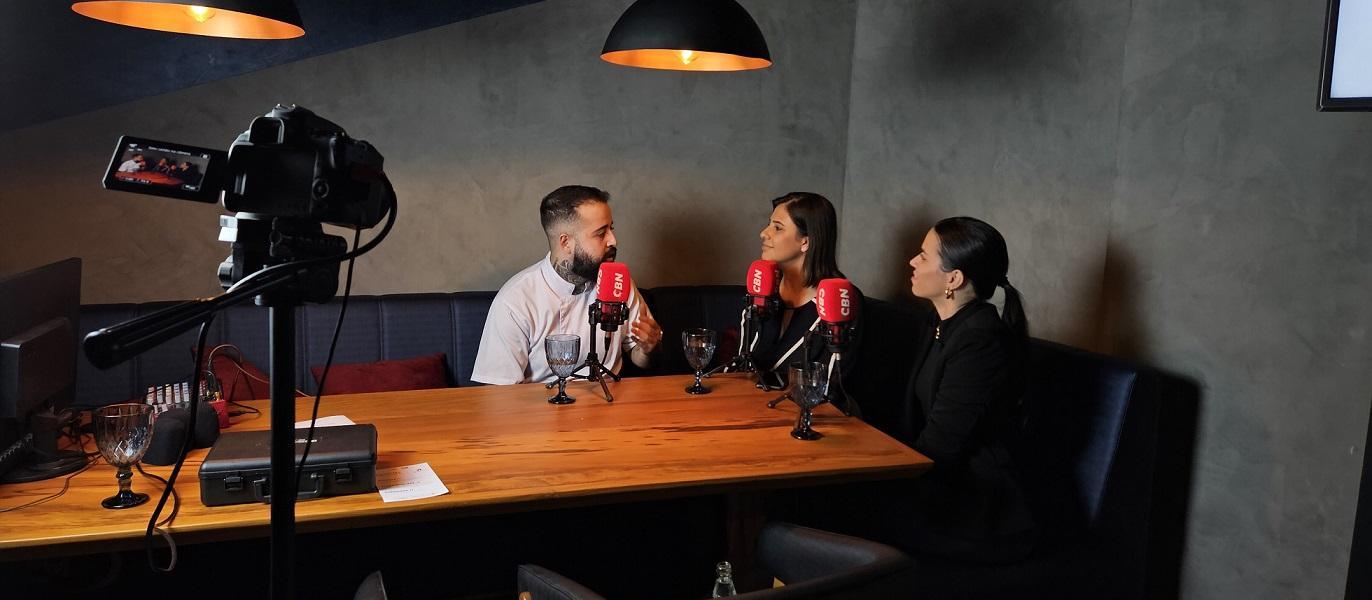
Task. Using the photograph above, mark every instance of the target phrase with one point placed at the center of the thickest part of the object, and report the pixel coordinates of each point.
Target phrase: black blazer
(972, 492)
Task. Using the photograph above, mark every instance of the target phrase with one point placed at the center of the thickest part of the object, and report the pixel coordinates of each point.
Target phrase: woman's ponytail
(1012, 313)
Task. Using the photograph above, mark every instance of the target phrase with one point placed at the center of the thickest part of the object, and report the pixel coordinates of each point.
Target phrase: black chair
(814, 564)
(1087, 459)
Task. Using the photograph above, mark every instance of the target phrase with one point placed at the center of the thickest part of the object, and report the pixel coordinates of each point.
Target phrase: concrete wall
(1000, 109)
(477, 121)
(1166, 187)
(1169, 193)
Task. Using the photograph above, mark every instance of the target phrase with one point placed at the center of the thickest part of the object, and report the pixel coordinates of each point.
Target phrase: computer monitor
(39, 312)
(1346, 79)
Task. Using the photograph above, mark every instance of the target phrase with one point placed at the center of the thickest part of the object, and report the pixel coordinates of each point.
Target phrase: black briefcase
(238, 469)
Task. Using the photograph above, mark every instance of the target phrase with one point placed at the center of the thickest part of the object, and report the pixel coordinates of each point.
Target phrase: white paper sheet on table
(410, 482)
(333, 421)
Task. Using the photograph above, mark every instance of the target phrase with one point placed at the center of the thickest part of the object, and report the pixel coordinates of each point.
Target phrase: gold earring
(948, 293)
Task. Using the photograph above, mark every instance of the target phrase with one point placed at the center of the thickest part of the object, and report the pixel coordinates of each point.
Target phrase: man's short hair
(560, 206)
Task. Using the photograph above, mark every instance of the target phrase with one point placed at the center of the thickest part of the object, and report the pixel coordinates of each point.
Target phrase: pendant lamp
(249, 19)
(687, 35)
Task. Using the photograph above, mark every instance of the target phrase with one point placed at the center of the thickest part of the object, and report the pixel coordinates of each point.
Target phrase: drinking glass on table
(123, 433)
(563, 350)
(809, 387)
(699, 345)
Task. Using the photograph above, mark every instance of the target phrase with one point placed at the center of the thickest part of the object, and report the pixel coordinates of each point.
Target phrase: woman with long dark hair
(962, 397)
(801, 236)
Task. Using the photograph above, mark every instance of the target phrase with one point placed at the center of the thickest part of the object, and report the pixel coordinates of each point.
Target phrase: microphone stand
(751, 326)
(837, 348)
(835, 385)
(595, 370)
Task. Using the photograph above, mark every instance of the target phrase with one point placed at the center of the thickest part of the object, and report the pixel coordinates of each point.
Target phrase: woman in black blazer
(958, 410)
(801, 236)
(964, 390)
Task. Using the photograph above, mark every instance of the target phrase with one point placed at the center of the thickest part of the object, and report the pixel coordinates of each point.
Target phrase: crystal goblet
(563, 350)
(699, 345)
(810, 383)
(123, 433)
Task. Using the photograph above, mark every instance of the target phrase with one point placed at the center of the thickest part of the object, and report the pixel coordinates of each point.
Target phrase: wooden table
(499, 449)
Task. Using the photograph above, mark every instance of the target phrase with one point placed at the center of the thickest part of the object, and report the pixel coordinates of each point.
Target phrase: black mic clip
(609, 315)
(836, 336)
(761, 308)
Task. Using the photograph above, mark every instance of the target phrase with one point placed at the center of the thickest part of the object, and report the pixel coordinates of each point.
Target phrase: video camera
(290, 172)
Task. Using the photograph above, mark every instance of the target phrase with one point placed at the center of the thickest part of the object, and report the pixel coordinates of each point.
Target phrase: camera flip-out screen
(165, 169)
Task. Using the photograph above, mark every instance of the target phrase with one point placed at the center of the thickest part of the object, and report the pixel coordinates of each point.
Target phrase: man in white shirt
(554, 296)
(133, 165)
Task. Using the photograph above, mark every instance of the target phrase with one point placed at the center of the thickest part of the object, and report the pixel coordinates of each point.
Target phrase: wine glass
(700, 348)
(809, 385)
(563, 350)
(123, 432)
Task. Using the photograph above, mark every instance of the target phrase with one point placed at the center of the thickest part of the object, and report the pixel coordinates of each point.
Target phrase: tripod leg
(778, 400)
(760, 382)
(737, 363)
(604, 387)
(623, 357)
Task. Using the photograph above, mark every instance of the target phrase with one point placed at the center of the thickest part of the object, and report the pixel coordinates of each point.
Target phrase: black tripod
(609, 315)
(754, 314)
(283, 291)
(283, 288)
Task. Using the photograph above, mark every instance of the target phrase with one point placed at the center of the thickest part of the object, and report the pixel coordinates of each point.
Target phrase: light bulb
(200, 13)
(688, 56)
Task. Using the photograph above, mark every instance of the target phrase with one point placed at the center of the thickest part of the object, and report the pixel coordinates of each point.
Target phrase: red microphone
(836, 302)
(612, 292)
(761, 284)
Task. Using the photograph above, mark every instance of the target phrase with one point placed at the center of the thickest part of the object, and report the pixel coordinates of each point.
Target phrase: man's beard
(588, 268)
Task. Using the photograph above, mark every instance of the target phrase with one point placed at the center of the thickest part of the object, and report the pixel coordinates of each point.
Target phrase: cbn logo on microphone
(845, 301)
(757, 281)
(619, 285)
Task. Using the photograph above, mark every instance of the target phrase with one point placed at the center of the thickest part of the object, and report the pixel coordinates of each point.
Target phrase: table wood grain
(499, 449)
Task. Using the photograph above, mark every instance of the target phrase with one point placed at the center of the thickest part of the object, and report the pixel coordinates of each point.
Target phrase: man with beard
(555, 294)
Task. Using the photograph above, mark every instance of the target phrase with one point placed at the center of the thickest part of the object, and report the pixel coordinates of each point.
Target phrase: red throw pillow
(419, 373)
(239, 379)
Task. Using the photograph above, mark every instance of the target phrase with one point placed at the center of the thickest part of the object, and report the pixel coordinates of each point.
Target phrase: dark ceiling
(55, 63)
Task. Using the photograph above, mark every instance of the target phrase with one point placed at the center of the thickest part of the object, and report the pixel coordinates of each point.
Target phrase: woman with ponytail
(962, 397)
(959, 410)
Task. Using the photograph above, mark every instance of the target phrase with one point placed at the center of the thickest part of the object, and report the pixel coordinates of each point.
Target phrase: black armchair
(814, 564)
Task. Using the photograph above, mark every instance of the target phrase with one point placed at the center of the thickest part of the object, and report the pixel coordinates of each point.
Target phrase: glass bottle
(724, 580)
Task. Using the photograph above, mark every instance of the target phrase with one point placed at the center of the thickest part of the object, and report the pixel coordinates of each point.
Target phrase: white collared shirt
(537, 303)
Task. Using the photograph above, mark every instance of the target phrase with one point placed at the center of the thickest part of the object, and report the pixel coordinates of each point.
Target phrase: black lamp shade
(250, 19)
(687, 35)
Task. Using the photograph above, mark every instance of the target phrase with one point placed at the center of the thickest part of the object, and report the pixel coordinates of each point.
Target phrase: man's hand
(646, 333)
